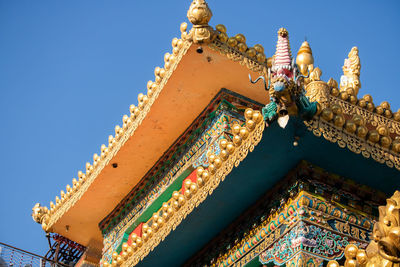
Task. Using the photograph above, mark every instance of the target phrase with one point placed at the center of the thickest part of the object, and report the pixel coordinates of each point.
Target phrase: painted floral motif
(309, 238)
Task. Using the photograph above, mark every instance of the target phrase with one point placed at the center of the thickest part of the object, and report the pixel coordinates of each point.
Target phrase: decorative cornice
(360, 130)
(384, 249)
(181, 204)
(122, 134)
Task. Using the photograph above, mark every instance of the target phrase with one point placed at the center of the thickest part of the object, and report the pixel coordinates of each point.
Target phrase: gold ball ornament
(68, 188)
(388, 114)
(193, 188)
(200, 182)
(175, 195)
(188, 194)
(259, 48)
(232, 42)
(165, 206)
(339, 120)
(145, 236)
(368, 98)
(361, 256)
(223, 143)
(205, 175)
(362, 103)
(385, 105)
(199, 171)
(242, 47)
(251, 52)
(373, 136)
(120, 260)
(248, 114)
(211, 168)
(350, 91)
(350, 251)
(223, 37)
(217, 162)
(350, 126)
(250, 124)
(211, 158)
(114, 255)
(386, 141)
(187, 183)
(370, 106)
(353, 99)
(261, 57)
(350, 263)
(395, 146)
(221, 28)
(170, 210)
(396, 116)
(333, 264)
(139, 241)
(379, 110)
(244, 133)
(240, 38)
(129, 251)
(149, 232)
(257, 116)
(237, 140)
(362, 131)
(155, 217)
(230, 148)
(382, 130)
(124, 255)
(134, 237)
(181, 200)
(335, 92)
(224, 155)
(175, 51)
(327, 114)
(358, 120)
(344, 96)
(236, 129)
(183, 27)
(337, 109)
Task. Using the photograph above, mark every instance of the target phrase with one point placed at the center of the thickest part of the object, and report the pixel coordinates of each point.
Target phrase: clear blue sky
(70, 69)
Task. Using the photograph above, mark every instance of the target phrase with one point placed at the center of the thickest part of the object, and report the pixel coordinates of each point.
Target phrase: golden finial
(199, 14)
(283, 32)
(304, 57)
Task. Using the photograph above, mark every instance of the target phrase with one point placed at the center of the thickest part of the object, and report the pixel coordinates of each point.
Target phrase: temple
(238, 156)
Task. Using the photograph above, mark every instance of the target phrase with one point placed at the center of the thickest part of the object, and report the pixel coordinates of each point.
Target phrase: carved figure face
(199, 13)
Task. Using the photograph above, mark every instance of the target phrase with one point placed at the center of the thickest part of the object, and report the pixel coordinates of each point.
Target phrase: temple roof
(201, 62)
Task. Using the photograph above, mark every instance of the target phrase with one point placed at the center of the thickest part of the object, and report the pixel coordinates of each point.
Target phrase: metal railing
(14, 257)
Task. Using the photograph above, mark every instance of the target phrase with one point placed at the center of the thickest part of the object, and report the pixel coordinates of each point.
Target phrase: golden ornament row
(130, 123)
(181, 204)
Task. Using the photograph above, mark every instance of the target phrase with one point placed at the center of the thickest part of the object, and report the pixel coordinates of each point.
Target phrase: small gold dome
(304, 57)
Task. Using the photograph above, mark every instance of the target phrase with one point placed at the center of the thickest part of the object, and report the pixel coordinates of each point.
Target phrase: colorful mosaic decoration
(224, 116)
(312, 216)
(306, 237)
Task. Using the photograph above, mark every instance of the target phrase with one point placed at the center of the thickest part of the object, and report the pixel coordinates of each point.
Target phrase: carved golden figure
(351, 72)
(384, 250)
(199, 14)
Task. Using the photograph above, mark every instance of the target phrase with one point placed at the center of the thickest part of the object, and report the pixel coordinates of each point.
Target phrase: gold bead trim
(129, 124)
(180, 205)
(360, 130)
